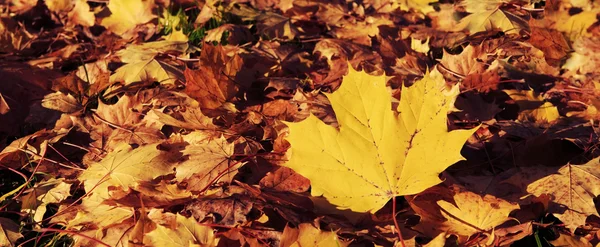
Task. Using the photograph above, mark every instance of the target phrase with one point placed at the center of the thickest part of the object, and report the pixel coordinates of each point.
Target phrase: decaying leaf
(9, 232)
(572, 190)
(215, 82)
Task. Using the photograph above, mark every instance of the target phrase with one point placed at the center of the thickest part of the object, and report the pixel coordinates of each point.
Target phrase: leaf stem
(396, 222)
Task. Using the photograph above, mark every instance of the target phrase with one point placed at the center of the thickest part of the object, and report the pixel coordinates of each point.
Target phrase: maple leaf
(75, 12)
(12, 37)
(471, 213)
(93, 211)
(470, 66)
(572, 189)
(532, 106)
(285, 179)
(308, 235)
(215, 157)
(42, 194)
(125, 167)
(576, 25)
(496, 19)
(193, 118)
(147, 71)
(186, 232)
(62, 102)
(212, 85)
(126, 15)
(146, 51)
(377, 154)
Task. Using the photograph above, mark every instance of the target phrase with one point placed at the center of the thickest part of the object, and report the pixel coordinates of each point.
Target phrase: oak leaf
(377, 154)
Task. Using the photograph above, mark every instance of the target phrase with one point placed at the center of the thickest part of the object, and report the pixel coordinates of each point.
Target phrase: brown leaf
(227, 211)
(572, 189)
(207, 162)
(285, 179)
(9, 232)
(214, 83)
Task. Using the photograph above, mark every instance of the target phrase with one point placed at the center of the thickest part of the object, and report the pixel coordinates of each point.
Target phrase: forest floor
(299, 123)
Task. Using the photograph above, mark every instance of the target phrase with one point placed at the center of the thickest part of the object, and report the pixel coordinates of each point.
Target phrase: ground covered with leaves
(299, 123)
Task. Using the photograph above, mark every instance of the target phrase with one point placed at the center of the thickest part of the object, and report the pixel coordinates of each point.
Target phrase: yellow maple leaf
(43, 193)
(126, 168)
(308, 235)
(127, 14)
(377, 154)
(187, 232)
(533, 106)
(496, 19)
(146, 71)
(577, 25)
(471, 213)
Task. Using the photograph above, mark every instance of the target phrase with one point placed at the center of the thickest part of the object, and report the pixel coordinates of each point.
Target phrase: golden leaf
(377, 154)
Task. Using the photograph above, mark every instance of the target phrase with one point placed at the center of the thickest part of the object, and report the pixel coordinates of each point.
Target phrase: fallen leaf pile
(299, 123)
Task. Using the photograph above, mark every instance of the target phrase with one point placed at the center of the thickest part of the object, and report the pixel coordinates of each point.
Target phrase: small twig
(76, 146)
(61, 155)
(49, 160)
(450, 71)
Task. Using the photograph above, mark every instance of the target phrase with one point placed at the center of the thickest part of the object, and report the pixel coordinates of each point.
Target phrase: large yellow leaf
(377, 154)
(127, 14)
